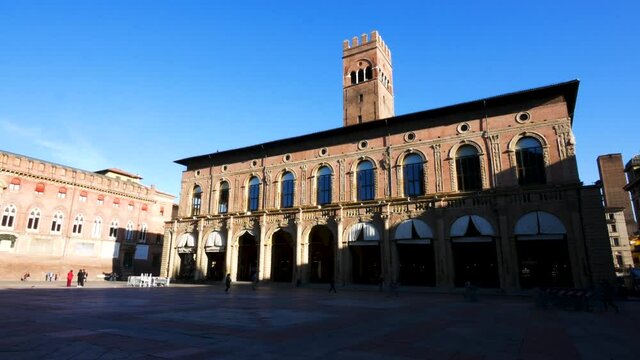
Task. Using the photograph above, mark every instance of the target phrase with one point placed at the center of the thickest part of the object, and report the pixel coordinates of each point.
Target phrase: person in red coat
(69, 278)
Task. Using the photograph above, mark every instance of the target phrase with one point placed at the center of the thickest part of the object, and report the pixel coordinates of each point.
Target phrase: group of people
(50, 276)
(81, 278)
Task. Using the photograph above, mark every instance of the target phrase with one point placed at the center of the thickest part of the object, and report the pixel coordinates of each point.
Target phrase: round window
(254, 163)
(463, 128)
(197, 172)
(363, 144)
(224, 168)
(286, 158)
(410, 136)
(523, 117)
(324, 151)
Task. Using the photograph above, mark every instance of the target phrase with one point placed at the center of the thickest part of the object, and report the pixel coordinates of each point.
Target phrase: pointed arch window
(413, 175)
(223, 201)
(128, 232)
(34, 219)
(196, 200)
(77, 224)
(530, 162)
(254, 193)
(360, 75)
(8, 216)
(97, 227)
(113, 229)
(354, 80)
(56, 222)
(143, 234)
(368, 74)
(324, 185)
(365, 181)
(287, 190)
(468, 168)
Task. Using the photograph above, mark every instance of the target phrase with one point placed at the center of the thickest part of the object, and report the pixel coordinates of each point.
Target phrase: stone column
(200, 255)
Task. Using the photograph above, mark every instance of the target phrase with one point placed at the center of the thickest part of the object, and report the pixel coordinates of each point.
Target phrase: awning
(186, 240)
(413, 229)
(62, 190)
(215, 242)
(40, 187)
(367, 230)
(461, 228)
(539, 225)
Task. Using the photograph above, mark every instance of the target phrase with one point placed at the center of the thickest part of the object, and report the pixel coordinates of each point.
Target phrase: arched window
(77, 224)
(8, 216)
(254, 194)
(324, 185)
(468, 168)
(353, 78)
(223, 201)
(287, 190)
(365, 181)
(34, 219)
(413, 172)
(360, 75)
(196, 200)
(56, 223)
(113, 229)
(128, 231)
(97, 227)
(142, 238)
(530, 162)
(368, 74)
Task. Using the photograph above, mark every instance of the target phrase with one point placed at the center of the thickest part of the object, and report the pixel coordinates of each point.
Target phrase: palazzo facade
(485, 192)
(56, 218)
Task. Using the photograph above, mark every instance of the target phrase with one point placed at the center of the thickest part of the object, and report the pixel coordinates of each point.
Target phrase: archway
(321, 255)
(413, 239)
(543, 252)
(364, 246)
(215, 248)
(187, 265)
(247, 257)
(474, 252)
(281, 257)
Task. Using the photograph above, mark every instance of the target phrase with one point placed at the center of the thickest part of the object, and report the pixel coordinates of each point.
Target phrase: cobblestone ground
(109, 321)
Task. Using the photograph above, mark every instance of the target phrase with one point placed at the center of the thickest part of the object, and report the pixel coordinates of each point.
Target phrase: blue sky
(138, 84)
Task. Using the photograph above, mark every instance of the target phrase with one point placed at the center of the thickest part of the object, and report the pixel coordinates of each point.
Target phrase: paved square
(109, 321)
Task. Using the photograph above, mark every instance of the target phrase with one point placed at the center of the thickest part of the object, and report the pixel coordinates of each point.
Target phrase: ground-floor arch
(321, 255)
(473, 246)
(282, 259)
(543, 252)
(365, 255)
(416, 258)
(215, 249)
(247, 257)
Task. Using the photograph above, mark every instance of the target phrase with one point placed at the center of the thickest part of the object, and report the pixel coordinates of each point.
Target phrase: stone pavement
(110, 321)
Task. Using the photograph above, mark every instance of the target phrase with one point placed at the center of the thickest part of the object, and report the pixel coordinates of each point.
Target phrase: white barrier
(147, 280)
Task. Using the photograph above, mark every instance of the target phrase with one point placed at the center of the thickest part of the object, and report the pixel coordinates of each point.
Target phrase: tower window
(368, 75)
(359, 119)
(360, 75)
(361, 97)
(353, 78)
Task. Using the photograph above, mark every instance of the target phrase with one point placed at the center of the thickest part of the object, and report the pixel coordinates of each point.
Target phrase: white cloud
(69, 148)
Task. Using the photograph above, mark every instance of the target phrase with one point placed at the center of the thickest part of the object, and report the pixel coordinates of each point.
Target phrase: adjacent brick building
(56, 218)
(485, 192)
(632, 168)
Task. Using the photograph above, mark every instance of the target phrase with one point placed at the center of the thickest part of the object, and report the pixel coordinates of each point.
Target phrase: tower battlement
(364, 39)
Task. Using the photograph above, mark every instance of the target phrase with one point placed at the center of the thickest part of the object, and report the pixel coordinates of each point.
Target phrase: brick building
(485, 191)
(632, 168)
(56, 218)
(618, 210)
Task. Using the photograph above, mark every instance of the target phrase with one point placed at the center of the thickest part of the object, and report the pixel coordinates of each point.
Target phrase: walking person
(254, 281)
(85, 275)
(332, 285)
(69, 278)
(79, 278)
(227, 283)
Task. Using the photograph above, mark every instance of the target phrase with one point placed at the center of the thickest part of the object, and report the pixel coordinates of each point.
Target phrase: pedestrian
(56, 277)
(69, 278)
(79, 278)
(254, 281)
(85, 275)
(332, 285)
(227, 283)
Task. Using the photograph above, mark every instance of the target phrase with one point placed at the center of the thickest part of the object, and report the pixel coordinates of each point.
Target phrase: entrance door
(417, 265)
(281, 257)
(215, 265)
(544, 263)
(365, 263)
(321, 255)
(475, 262)
(187, 265)
(247, 257)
